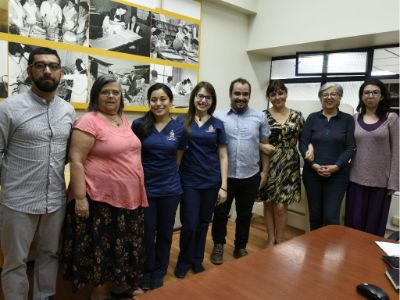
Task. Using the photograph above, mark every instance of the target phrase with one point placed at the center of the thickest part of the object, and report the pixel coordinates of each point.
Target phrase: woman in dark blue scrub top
(203, 171)
(163, 142)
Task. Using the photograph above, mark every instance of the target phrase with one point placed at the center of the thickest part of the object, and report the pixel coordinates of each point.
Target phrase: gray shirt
(244, 132)
(34, 138)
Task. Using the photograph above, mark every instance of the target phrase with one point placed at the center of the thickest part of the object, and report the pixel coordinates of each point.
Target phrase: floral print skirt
(106, 247)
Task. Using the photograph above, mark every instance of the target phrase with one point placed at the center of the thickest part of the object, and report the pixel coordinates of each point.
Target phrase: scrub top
(161, 176)
(200, 167)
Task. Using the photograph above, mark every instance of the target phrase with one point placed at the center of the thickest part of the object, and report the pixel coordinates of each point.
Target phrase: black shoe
(238, 253)
(145, 283)
(179, 273)
(217, 255)
(156, 283)
(198, 268)
(127, 294)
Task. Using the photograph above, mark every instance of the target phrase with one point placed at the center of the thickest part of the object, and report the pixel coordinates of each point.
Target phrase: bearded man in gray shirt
(34, 131)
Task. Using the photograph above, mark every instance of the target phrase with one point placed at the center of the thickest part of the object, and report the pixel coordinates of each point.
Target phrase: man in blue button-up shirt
(245, 130)
(34, 131)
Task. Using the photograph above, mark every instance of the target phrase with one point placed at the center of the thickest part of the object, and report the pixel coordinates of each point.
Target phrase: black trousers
(325, 195)
(244, 191)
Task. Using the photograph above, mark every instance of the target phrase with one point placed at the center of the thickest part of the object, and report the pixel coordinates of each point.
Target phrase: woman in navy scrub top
(326, 168)
(203, 171)
(163, 142)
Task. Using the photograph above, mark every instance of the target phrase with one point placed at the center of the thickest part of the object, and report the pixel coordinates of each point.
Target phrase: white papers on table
(392, 249)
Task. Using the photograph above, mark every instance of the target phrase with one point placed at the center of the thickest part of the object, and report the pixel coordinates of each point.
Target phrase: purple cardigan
(376, 160)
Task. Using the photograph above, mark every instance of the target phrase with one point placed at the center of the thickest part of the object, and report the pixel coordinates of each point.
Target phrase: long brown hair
(192, 108)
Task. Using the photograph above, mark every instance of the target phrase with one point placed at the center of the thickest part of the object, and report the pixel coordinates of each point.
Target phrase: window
(304, 73)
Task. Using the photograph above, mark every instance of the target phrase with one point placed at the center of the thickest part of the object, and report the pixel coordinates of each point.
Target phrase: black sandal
(127, 294)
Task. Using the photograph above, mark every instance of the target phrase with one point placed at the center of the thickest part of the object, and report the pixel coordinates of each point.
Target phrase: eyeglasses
(331, 95)
(373, 93)
(41, 66)
(114, 93)
(204, 97)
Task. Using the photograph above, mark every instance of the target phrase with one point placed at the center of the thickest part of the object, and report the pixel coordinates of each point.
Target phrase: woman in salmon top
(104, 232)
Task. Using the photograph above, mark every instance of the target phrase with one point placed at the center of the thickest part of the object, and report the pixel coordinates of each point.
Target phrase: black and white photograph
(74, 83)
(3, 70)
(133, 77)
(55, 20)
(121, 28)
(181, 81)
(174, 39)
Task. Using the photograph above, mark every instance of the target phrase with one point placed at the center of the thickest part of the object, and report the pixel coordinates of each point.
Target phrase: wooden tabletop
(327, 263)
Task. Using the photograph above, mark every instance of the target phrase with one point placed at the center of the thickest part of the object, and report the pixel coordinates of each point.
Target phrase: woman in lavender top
(374, 173)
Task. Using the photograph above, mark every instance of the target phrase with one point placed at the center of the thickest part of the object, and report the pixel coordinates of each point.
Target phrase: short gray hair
(328, 85)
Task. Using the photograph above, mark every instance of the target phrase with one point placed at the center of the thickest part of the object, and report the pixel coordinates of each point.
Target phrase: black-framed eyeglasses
(41, 66)
(204, 97)
(373, 93)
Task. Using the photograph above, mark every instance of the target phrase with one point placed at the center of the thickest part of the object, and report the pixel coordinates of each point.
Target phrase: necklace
(114, 119)
(201, 119)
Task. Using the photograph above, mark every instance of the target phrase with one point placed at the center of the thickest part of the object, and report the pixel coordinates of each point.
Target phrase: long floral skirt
(106, 247)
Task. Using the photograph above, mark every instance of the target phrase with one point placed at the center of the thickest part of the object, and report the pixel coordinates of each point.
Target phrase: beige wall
(223, 55)
(288, 22)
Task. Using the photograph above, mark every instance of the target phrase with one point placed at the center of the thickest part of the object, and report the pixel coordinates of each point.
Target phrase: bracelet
(221, 188)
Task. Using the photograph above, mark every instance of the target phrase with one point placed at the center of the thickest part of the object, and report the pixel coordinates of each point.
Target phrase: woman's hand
(309, 156)
(325, 171)
(263, 180)
(222, 196)
(82, 208)
(390, 192)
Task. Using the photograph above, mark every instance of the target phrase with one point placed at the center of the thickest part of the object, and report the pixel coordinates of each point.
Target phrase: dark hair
(154, 73)
(42, 51)
(192, 109)
(79, 67)
(15, 48)
(274, 86)
(241, 81)
(169, 79)
(383, 106)
(95, 91)
(145, 126)
(84, 5)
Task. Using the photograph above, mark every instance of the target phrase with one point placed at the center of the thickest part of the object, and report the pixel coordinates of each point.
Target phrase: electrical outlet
(396, 220)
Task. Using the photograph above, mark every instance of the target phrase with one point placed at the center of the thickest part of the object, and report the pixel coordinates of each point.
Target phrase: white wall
(223, 57)
(288, 22)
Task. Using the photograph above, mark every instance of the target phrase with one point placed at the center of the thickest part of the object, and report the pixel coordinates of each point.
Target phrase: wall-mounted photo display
(55, 20)
(119, 27)
(3, 70)
(133, 77)
(181, 82)
(174, 39)
(73, 86)
(139, 42)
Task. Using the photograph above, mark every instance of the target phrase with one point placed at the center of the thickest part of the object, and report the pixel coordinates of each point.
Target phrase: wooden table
(327, 263)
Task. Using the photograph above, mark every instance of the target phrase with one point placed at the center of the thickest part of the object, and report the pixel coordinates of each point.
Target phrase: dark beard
(46, 86)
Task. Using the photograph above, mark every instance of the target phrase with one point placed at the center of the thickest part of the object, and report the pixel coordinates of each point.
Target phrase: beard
(240, 106)
(46, 84)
